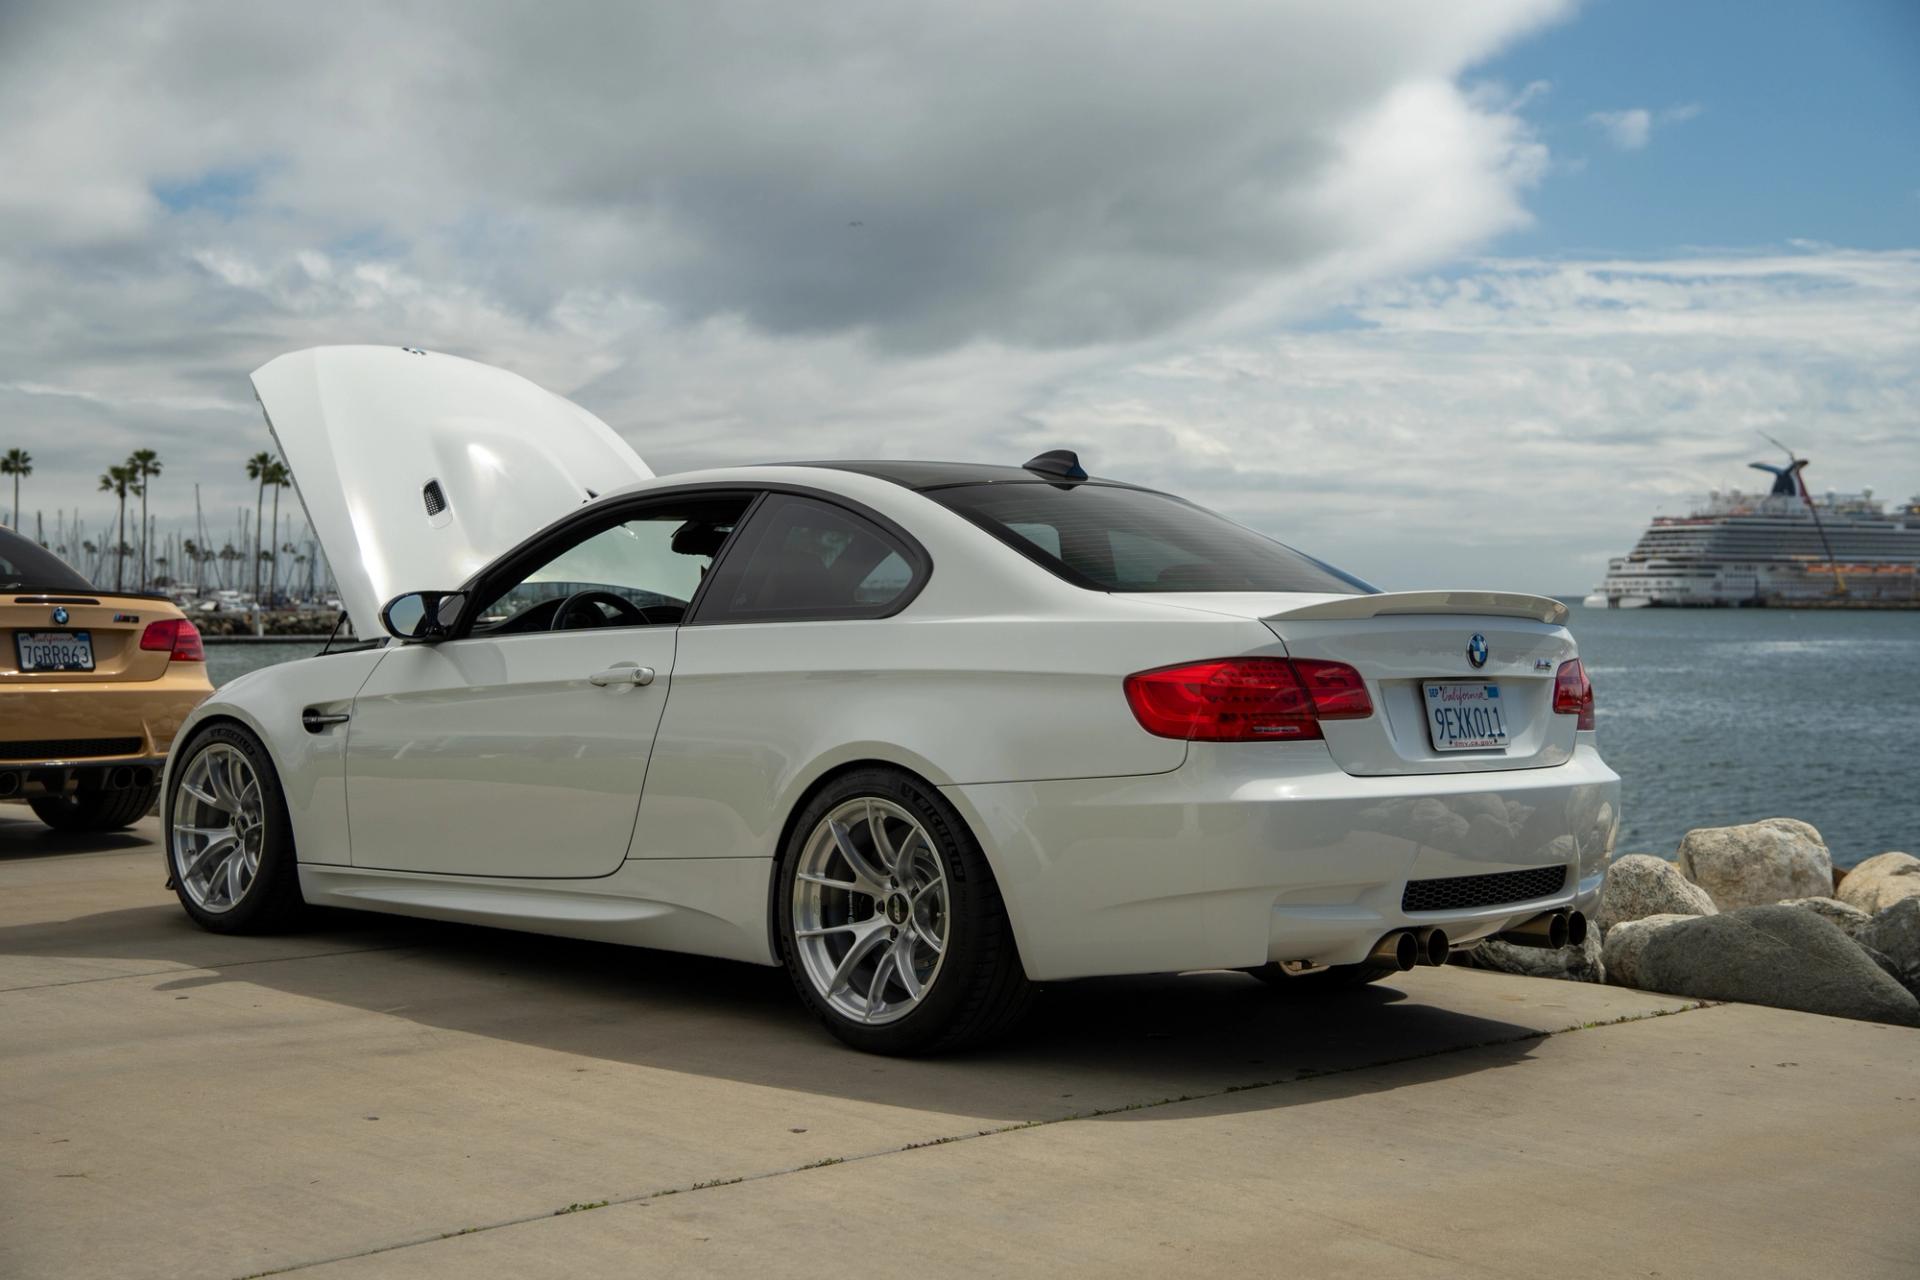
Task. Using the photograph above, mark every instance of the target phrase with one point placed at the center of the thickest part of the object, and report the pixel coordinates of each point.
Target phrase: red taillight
(1573, 693)
(178, 637)
(1247, 699)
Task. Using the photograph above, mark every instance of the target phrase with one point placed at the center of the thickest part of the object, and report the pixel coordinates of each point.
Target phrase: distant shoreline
(315, 638)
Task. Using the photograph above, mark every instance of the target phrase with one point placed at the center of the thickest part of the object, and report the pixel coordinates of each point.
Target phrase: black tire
(980, 991)
(272, 902)
(1321, 983)
(95, 810)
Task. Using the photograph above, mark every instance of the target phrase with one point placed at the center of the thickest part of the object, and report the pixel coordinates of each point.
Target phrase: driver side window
(638, 572)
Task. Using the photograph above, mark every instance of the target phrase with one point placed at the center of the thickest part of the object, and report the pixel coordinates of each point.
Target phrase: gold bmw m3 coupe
(93, 685)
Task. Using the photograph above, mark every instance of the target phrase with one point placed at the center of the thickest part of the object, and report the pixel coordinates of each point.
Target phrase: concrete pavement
(379, 1097)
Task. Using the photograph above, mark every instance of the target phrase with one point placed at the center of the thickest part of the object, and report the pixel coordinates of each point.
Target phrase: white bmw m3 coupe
(926, 734)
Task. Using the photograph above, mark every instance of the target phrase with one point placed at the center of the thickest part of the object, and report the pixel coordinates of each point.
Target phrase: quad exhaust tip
(9, 783)
(1400, 949)
(1550, 930)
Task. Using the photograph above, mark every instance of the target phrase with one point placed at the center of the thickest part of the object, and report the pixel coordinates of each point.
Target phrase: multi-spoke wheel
(870, 914)
(892, 926)
(229, 845)
(217, 827)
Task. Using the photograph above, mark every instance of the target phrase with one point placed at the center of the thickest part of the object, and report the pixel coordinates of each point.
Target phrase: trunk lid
(1405, 642)
(113, 625)
(416, 469)
(1402, 642)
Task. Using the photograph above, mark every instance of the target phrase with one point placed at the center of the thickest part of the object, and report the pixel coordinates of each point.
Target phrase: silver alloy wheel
(219, 824)
(870, 910)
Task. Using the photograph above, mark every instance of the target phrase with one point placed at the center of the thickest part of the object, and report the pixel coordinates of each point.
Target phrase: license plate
(1465, 715)
(54, 650)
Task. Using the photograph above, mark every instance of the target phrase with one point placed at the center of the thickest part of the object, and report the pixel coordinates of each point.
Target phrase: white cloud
(1517, 422)
(1094, 227)
(575, 188)
(1632, 128)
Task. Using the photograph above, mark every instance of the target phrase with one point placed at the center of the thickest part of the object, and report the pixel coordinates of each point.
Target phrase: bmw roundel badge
(1477, 650)
(59, 615)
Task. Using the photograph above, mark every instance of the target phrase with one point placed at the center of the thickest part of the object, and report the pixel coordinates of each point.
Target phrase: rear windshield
(27, 566)
(1109, 538)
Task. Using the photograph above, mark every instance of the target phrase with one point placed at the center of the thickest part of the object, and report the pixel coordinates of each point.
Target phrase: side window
(801, 559)
(638, 572)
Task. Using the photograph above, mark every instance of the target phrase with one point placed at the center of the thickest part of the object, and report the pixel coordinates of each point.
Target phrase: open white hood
(416, 469)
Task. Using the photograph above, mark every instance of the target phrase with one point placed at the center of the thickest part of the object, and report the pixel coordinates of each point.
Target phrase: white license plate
(54, 650)
(1465, 715)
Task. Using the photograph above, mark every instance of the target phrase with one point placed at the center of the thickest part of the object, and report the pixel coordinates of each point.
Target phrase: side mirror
(423, 615)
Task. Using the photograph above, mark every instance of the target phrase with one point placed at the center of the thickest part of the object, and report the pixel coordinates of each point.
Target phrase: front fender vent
(436, 501)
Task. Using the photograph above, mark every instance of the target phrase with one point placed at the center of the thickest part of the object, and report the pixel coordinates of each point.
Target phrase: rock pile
(1878, 883)
(1758, 864)
(1753, 913)
(1771, 955)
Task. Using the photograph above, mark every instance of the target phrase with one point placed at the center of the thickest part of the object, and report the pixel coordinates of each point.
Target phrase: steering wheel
(629, 612)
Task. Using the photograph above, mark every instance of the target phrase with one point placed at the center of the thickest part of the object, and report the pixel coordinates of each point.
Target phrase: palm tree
(16, 463)
(227, 556)
(145, 464)
(120, 481)
(259, 467)
(191, 550)
(279, 477)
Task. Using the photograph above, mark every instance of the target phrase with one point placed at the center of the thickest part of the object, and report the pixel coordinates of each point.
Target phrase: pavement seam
(200, 968)
(648, 1197)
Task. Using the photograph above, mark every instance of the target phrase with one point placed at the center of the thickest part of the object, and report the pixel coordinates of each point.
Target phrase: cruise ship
(1784, 548)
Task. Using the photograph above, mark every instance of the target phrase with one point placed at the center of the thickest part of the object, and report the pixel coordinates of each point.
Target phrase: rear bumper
(100, 723)
(1268, 851)
(57, 778)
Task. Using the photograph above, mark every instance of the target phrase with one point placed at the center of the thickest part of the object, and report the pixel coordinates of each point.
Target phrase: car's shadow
(1091, 1046)
(29, 839)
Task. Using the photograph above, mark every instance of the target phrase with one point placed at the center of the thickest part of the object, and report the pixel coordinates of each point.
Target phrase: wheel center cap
(897, 908)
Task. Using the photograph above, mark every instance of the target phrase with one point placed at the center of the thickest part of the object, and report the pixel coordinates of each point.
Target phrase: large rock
(1878, 883)
(1620, 955)
(1573, 964)
(1851, 920)
(1758, 864)
(1895, 935)
(1640, 885)
(1781, 956)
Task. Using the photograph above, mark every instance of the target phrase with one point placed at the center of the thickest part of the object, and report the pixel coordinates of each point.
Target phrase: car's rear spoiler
(1499, 604)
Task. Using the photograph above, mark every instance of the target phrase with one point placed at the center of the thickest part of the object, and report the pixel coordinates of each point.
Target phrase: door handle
(625, 673)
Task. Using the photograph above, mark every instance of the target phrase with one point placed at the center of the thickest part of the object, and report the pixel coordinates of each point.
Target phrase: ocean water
(1710, 716)
(1716, 716)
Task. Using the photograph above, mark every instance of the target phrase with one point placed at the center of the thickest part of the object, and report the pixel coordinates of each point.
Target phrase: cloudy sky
(1449, 294)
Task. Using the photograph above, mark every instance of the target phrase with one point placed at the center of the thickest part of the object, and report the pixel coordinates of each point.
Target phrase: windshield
(27, 566)
(1111, 538)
